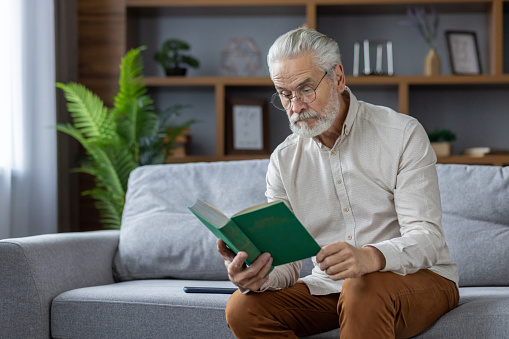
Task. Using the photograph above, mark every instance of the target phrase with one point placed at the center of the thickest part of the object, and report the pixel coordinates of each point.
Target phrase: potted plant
(441, 141)
(171, 58)
(119, 139)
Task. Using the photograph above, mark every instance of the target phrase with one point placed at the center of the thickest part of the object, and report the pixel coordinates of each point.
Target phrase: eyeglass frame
(278, 96)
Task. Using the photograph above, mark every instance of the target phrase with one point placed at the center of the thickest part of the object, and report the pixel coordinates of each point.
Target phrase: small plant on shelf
(441, 135)
(170, 57)
(441, 142)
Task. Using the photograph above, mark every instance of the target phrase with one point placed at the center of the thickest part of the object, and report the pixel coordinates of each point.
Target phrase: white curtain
(28, 166)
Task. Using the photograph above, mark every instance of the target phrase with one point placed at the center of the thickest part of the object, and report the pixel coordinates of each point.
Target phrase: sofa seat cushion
(161, 309)
(483, 312)
(141, 309)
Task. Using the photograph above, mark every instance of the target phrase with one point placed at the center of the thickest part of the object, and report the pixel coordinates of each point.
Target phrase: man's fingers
(254, 276)
(238, 262)
(329, 250)
(225, 252)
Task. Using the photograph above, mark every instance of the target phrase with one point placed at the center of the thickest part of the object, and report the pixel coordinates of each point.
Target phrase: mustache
(304, 115)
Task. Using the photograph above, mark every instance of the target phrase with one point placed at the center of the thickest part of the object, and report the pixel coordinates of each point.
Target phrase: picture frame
(463, 52)
(247, 127)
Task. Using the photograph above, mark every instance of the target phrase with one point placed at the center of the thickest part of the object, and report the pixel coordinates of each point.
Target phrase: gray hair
(323, 49)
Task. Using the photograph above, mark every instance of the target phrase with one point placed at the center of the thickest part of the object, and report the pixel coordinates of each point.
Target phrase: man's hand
(342, 260)
(250, 278)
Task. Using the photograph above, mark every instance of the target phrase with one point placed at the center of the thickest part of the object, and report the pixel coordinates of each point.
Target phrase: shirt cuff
(392, 257)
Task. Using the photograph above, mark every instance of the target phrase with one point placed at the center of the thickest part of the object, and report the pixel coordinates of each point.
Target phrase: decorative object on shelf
(482, 151)
(171, 58)
(432, 64)
(116, 140)
(463, 52)
(426, 25)
(241, 57)
(441, 142)
(177, 141)
(373, 53)
(170, 140)
(247, 127)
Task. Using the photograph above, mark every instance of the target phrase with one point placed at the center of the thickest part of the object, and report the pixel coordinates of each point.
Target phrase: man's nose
(296, 105)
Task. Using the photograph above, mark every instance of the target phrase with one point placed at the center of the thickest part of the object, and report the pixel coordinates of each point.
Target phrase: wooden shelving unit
(494, 160)
(494, 10)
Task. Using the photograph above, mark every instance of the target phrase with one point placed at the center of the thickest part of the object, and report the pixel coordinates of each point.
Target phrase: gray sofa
(129, 283)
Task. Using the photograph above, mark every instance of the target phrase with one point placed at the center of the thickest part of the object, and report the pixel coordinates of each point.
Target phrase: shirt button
(333, 153)
(346, 131)
(346, 209)
(349, 237)
(339, 181)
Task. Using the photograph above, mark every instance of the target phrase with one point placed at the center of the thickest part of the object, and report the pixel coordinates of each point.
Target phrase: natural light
(11, 88)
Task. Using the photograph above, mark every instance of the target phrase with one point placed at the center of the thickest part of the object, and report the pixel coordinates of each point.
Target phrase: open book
(270, 227)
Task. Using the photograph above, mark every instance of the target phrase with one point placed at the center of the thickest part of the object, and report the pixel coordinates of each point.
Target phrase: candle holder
(373, 52)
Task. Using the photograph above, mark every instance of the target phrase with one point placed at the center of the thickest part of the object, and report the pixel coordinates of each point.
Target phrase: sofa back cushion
(475, 205)
(161, 238)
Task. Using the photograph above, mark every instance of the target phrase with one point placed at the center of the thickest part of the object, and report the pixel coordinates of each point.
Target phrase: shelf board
(208, 81)
(495, 160)
(350, 80)
(237, 3)
(429, 80)
(204, 158)
(192, 3)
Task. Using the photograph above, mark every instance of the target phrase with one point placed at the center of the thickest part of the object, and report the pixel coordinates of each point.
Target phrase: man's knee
(241, 309)
(365, 292)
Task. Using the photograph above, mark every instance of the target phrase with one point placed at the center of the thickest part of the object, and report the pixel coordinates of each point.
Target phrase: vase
(442, 149)
(432, 63)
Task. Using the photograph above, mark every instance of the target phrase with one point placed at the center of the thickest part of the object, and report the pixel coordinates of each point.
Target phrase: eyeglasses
(306, 94)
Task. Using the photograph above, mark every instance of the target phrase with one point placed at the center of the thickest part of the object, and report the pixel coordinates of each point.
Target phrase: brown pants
(377, 305)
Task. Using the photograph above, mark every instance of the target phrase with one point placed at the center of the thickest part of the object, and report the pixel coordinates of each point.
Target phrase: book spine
(240, 241)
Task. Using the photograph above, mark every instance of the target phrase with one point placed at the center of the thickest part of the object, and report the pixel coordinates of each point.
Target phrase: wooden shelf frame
(403, 84)
(493, 160)
(494, 10)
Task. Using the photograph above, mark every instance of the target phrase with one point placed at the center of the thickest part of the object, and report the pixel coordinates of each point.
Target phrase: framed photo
(247, 126)
(463, 52)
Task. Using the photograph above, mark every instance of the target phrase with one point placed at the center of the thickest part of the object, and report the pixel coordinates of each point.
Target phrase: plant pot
(432, 63)
(442, 149)
(176, 71)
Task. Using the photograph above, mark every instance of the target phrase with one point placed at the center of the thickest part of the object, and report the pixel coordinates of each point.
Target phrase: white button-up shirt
(377, 186)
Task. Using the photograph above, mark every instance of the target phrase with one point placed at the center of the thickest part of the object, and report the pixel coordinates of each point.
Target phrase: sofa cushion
(141, 309)
(476, 221)
(160, 309)
(161, 238)
(483, 312)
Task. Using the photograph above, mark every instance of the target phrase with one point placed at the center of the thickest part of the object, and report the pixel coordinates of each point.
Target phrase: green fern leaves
(111, 137)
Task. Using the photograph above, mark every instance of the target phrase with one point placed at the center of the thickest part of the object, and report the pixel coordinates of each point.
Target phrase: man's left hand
(341, 260)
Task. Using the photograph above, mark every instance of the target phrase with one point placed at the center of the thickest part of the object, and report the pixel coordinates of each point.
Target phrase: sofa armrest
(34, 270)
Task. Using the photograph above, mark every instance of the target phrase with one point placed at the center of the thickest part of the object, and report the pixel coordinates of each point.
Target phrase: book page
(210, 213)
(254, 208)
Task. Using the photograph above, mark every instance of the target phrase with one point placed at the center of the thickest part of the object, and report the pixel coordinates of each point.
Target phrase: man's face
(311, 119)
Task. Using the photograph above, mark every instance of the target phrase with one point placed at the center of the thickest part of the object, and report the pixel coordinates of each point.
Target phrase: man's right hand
(247, 278)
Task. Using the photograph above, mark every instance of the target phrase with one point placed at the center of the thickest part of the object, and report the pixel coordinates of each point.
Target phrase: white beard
(323, 122)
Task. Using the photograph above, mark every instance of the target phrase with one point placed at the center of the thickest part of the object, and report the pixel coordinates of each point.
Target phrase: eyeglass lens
(306, 94)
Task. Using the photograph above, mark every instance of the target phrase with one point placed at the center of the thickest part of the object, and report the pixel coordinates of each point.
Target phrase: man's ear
(339, 78)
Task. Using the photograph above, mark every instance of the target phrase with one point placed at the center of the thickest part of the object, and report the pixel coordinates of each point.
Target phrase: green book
(270, 227)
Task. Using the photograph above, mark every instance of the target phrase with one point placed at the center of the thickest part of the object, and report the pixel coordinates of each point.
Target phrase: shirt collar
(350, 118)
(352, 113)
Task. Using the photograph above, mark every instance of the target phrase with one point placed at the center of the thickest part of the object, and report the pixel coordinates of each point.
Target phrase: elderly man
(362, 180)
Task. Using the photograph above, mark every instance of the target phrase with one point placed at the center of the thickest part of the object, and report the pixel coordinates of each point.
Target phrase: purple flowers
(426, 25)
